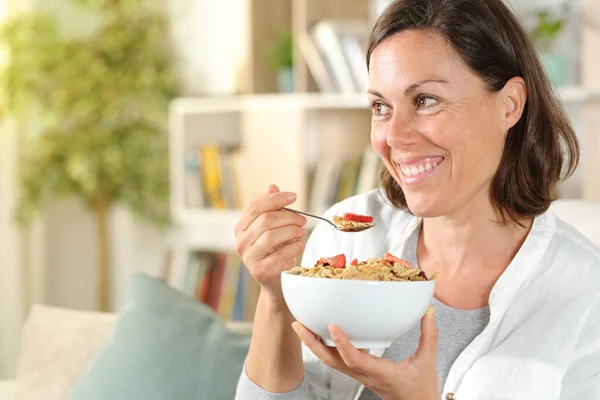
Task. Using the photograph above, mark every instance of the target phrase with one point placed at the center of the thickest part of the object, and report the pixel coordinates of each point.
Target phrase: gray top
(457, 328)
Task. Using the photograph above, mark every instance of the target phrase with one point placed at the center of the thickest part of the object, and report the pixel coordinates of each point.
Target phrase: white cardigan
(543, 339)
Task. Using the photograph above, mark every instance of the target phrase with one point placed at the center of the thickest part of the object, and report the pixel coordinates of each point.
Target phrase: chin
(424, 208)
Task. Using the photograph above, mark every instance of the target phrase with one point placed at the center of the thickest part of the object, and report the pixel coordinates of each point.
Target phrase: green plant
(279, 54)
(100, 103)
(547, 29)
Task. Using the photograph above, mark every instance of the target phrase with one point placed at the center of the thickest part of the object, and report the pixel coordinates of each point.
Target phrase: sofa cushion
(165, 345)
(56, 346)
(582, 215)
(7, 389)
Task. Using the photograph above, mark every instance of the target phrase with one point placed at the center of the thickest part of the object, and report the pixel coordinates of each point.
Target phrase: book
(321, 72)
(229, 287)
(194, 194)
(325, 34)
(241, 294)
(325, 184)
(355, 53)
(210, 155)
(216, 281)
(369, 169)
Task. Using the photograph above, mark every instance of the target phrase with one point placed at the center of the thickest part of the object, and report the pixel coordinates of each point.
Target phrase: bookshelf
(267, 18)
(284, 138)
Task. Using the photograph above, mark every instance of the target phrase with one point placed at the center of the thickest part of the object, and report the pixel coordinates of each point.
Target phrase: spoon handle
(312, 216)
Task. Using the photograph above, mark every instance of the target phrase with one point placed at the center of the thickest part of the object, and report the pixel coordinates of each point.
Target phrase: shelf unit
(267, 18)
(283, 136)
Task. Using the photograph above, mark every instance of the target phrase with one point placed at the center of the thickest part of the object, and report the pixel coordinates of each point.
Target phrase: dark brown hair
(542, 147)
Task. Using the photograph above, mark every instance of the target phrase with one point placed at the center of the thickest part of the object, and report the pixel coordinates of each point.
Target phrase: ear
(514, 97)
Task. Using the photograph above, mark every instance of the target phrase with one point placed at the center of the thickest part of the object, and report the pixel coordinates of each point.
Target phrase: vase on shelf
(285, 80)
(555, 66)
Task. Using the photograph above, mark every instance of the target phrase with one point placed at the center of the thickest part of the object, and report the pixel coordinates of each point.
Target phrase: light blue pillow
(167, 346)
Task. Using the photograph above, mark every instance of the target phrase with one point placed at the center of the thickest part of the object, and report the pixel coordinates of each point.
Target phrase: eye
(425, 102)
(380, 109)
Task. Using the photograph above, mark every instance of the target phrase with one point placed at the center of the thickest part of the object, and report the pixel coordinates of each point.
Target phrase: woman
(473, 142)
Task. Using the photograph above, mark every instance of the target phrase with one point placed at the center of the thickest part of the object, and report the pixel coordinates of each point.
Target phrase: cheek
(379, 143)
(477, 156)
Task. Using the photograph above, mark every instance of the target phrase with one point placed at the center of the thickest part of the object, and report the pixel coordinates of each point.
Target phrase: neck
(471, 238)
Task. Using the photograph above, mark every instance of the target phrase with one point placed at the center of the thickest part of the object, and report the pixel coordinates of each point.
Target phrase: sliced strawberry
(357, 218)
(338, 261)
(395, 260)
(354, 262)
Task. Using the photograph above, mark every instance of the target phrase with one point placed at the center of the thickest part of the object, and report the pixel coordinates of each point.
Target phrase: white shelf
(323, 101)
(211, 230)
(315, 101)
(206, 217)
(578, 94)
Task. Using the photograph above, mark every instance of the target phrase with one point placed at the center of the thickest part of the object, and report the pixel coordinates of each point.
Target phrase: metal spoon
(339, 228)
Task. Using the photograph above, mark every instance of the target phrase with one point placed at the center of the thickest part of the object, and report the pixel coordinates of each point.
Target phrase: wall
(211, 43)
(72, 254)
(206, 64)
(591, 78)
(567, 44)
(11, 275)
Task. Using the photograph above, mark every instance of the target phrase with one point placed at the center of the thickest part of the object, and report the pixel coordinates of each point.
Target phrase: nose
(401, 131)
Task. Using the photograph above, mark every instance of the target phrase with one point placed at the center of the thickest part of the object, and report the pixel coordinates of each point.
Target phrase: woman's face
(439, 131)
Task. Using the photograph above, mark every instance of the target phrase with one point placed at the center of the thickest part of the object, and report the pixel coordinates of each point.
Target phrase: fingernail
(290, 196)
(333, 333)
(295, 327)
(431, 310)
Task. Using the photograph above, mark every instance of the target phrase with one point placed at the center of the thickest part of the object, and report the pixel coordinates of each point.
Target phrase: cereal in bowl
(387, 268)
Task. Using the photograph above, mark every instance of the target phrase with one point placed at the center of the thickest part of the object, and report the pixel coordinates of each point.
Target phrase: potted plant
(545, 32)
(280, 59)
(101, 102)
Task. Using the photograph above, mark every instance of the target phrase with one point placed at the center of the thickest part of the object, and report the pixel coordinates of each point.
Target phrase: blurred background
(133, 132)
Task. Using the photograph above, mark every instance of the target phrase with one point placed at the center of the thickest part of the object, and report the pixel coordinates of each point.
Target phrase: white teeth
(417, 170)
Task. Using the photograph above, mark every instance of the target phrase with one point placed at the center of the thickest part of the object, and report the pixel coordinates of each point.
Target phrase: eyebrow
(409, 90)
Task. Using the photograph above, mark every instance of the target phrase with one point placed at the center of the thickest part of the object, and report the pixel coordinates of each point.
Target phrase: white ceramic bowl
(371, 313)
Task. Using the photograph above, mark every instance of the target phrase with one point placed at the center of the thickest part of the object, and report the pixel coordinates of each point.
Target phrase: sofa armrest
(7, 389)
(240, 327)
(57, 345)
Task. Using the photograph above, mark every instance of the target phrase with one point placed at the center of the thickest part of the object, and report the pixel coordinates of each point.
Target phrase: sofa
(57, 346)
(50, 334)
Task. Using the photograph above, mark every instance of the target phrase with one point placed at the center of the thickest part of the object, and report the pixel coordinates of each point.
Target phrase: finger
(273, 189)
(270, 240)
(285, 252)
(427, 350)
(280, 260)
(355, 359)
(268, 221)
(328, 355)
(264, 203)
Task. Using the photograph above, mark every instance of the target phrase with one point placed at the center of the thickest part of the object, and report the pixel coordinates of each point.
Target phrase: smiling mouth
(420, 167)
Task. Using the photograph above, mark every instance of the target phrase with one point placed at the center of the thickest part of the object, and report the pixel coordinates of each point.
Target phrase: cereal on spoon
(387, 268)
(353, 222)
